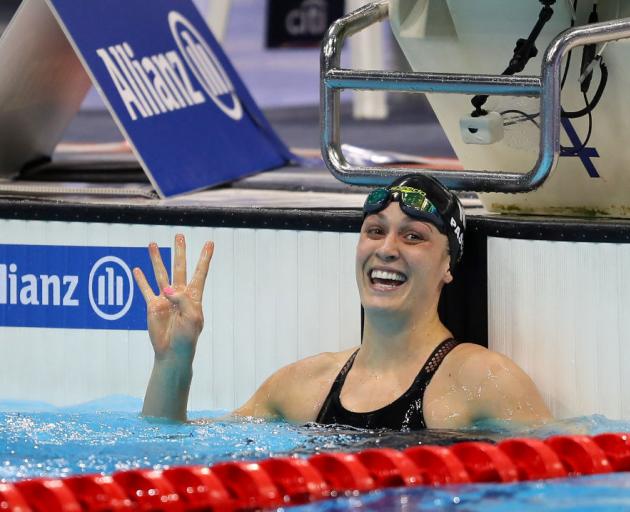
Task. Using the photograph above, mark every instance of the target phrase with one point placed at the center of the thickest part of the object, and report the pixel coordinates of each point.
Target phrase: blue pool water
(598, 493)
(42, 440)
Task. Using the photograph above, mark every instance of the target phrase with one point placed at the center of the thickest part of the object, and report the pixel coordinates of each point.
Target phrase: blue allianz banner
(73, 287)
(176, 97)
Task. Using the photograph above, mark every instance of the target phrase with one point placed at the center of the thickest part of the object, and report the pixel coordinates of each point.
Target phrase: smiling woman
(408, 373)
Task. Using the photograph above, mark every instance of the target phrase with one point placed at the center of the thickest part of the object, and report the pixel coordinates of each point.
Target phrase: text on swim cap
(458, 231)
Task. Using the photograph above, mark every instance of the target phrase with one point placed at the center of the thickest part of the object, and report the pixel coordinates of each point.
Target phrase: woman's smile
(384, 279)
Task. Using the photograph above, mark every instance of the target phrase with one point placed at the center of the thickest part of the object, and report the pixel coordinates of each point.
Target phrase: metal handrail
(334, 79)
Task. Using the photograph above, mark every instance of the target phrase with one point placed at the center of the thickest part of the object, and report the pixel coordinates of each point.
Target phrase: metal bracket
(334, 79)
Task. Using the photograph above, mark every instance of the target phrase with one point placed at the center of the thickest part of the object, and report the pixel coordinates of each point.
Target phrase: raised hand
(175, 316)
(175, 320)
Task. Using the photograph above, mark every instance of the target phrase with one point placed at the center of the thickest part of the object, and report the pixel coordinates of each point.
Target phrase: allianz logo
(110, 288)
(157, 84)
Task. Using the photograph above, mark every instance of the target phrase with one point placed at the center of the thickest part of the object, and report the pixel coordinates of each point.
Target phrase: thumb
(180, 299)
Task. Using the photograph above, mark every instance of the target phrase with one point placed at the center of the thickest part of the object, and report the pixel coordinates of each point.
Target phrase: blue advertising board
(73, 287)
(175, 95)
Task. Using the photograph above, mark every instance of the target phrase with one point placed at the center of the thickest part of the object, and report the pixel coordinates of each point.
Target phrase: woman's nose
(388, 250)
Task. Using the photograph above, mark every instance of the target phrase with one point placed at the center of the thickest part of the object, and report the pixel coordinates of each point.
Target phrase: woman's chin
(392, 306)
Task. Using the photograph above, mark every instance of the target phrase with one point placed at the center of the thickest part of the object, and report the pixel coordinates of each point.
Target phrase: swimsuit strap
(435, 360)
(341, 376)
(404, 412)
(335, 389)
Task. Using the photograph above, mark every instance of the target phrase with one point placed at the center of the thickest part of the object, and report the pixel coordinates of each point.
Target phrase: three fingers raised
(196, 285)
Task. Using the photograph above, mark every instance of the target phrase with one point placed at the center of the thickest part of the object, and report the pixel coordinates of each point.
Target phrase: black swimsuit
(404, 413)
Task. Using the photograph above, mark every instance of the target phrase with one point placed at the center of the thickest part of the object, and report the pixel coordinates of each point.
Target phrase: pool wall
(272, 297)
(560, 310)
(557, 299)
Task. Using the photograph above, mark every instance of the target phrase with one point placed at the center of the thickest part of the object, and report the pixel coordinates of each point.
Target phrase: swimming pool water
(598, 493)
(41, 440)
(70, 441)
(109, 435)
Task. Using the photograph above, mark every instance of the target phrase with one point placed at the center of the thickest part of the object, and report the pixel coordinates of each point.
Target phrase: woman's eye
(414, 237)
(374, 231)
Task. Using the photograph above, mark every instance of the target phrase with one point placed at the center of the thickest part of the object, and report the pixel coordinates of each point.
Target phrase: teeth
(391, 276)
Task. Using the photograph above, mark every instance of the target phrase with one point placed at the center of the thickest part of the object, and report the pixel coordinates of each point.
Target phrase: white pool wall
(272, 297)
(561, 310)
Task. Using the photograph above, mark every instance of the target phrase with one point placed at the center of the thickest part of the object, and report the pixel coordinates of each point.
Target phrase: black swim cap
(442, 209)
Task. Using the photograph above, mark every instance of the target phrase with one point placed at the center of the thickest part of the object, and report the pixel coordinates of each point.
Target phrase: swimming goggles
(413, 202)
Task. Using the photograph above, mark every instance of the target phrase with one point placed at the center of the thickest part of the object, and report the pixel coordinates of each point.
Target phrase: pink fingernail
(168, 291)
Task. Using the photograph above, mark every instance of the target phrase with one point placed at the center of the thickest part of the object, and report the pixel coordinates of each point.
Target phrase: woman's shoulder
(471, 362)
(317, 366)
(479, 383)
(297, 391)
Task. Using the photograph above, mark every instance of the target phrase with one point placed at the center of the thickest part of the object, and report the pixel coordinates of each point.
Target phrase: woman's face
(402, 263)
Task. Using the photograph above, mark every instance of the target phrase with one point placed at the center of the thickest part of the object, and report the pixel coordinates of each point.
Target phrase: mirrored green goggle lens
(414, 198)
(419, 201)
(377, 197)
